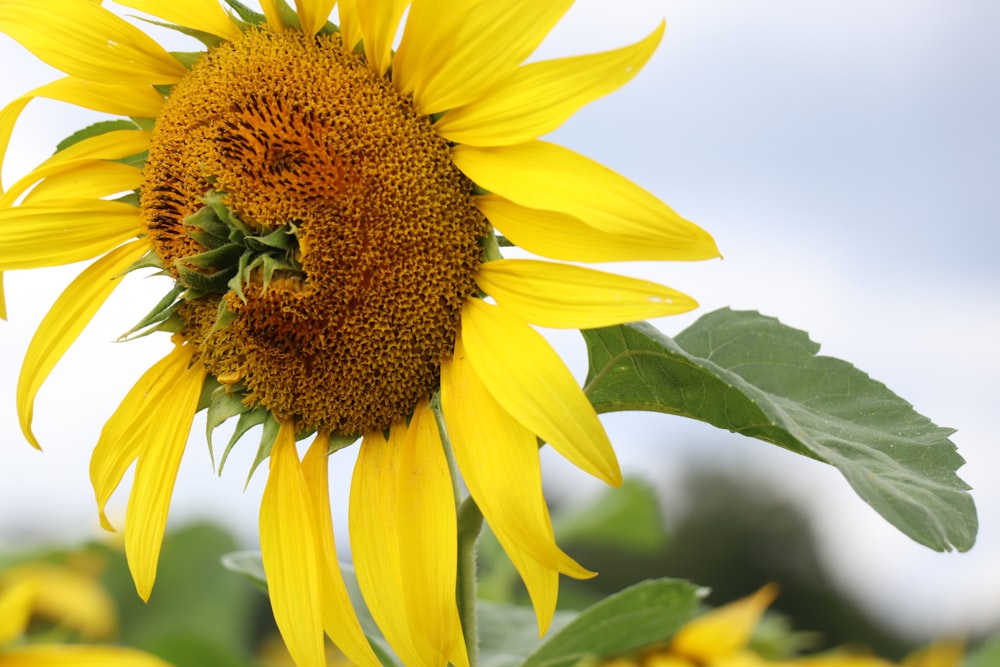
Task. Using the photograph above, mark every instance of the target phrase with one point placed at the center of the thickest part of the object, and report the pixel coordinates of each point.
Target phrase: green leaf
(95, 130)
(987, 655)
(636, 617)
(508, 634)
(749, 374)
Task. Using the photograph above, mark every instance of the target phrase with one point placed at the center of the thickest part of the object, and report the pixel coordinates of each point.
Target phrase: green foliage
(750, 374)
(636, 617)
(198, 614)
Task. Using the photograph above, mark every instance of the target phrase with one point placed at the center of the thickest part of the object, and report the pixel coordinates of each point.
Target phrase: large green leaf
(634, 618)
(750, 374)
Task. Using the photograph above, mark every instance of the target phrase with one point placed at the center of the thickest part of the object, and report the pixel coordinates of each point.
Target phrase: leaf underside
(750, 374)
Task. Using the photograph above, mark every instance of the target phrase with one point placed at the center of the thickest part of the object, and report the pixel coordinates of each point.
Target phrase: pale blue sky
(844, 154)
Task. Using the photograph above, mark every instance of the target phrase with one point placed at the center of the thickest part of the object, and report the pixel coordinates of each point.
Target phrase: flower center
(339, 241)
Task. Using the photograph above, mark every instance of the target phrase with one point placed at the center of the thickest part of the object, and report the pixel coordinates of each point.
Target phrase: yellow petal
(350, 26)
(378, 22)
(488, 44)
(290, 553)
(940, 654)
(560, 236)
(539, 97)
(428, 536)
(313, 14)
(64, 231)
(270, 9)
(197, 14)
(529, 380)
(121, 438)
(165, 428)
(725, 630)
(90, 179)
(339, 619)
(422, 49)
(541, 175)
(134, 101)
(374, 539)
(70, 599)
(15, 610)
(56, 655)
(3, 300)
(573, 297)
(68, 316)
(85, 40)
(498, 458)
(404, 541)
(110, 146)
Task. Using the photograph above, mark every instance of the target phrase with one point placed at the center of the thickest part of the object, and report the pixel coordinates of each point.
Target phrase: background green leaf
(751, 374)
(636, 617)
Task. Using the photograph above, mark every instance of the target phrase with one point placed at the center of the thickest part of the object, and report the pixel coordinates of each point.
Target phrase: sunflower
(330, 209)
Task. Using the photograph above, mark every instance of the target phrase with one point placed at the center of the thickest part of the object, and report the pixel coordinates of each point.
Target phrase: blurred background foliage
(731, 536)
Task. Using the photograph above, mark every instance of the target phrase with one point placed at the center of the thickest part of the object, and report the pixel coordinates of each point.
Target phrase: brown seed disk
(295, 130)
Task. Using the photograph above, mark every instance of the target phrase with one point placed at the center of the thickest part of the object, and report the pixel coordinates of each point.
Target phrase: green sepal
(223, 317)
(267, 438)
(208, 389)
(95, 130)
(247, 421)
(242, 271)
(205, 227)
(131, 198)
(225, 404)
(138, 160)
(208, 39)
(210, 283)
(220, 259)
(338, 442)
(187, 58)
(160, 314)
(246, 14)
(148, 261)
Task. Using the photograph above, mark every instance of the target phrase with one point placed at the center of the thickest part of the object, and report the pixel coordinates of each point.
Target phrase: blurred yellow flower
(70, 600)
(721, 638)
(324, 201)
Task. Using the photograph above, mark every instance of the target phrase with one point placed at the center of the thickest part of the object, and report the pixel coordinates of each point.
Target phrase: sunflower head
(366, 234)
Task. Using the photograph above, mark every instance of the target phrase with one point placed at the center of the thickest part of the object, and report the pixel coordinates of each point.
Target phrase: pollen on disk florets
(295, 132)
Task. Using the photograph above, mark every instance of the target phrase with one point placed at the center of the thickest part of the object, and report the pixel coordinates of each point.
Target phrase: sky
(845, 156)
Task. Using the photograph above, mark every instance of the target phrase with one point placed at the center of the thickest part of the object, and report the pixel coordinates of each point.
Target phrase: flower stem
(470, 523)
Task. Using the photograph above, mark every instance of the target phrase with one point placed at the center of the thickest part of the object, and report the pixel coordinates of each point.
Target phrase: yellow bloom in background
(71, 601)
(721, 638)
(324, 203)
